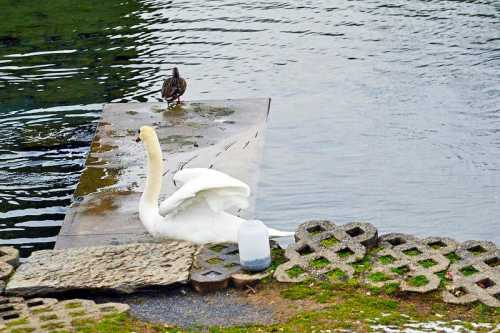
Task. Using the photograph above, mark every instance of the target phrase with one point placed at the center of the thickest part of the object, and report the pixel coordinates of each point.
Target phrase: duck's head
(175, 72)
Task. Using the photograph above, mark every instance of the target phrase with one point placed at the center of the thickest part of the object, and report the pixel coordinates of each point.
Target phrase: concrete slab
(226, 135)
(122, 268)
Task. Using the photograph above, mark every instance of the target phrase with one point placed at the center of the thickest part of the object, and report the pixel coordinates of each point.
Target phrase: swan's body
(195, 212)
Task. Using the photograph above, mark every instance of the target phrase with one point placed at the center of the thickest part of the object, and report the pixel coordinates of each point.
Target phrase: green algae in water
(386, 260)
(418, 281)
(295, 271)
(329, 242)
(378, 277)
(427, 263)
(319, 263)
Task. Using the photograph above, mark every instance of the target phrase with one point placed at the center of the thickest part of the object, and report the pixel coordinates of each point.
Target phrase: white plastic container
(253, 245)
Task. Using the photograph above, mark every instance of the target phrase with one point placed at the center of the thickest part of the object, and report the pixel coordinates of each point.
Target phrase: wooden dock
(226, 135)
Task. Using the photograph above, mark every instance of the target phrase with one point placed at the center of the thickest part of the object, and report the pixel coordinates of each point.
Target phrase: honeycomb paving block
(474, 249)
(394, 239)
(363, 233)
(311, 229)
(323, 247)
(217, 265)
(415, 262)
(47, 314)
(420, 281)
(443, 245)
(476, 275)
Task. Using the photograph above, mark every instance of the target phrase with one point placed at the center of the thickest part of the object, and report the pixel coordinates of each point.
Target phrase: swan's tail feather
(279, 233)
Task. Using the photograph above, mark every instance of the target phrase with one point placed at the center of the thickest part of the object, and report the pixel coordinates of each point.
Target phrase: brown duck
(173, 87)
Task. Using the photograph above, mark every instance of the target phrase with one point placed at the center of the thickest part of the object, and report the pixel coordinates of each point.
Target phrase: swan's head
(148, 136)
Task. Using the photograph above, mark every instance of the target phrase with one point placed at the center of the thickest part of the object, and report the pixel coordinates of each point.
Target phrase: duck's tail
(279, 233)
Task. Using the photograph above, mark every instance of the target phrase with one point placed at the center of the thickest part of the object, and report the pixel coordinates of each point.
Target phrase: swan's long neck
(155, 168)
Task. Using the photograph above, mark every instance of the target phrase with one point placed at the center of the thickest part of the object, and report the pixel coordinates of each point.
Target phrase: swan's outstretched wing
(219, 190)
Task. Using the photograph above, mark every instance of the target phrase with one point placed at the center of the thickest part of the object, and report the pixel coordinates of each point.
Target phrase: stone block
(121, 268)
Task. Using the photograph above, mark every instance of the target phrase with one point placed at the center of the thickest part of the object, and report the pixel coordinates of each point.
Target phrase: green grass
(215, 261)
(345, 306)
(295, 271)
(427, 263)
(391, 288)
(363, 265)
(22, 330)
(418, 281)
(73, 305)
(298, 291)
(453, 257)
(386, 260)
(468, 271)
(336, 275)
(329, 242)
(344, 253)
(378, 277)
(412, 252)
(48, 317)
(319, 263)
(17, 322)
(217, 248)
(442, 278)
(401, 270)
(77, 313)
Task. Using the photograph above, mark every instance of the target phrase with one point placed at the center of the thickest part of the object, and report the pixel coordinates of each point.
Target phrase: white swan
(195, 212)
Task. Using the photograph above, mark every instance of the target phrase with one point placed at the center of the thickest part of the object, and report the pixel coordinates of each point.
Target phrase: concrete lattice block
(217, 265)
(310, 228)
(476, 276)
(443, 245)
(404, 257)
(361, 232)
(50, 315)
(432, 282)
(323, 247)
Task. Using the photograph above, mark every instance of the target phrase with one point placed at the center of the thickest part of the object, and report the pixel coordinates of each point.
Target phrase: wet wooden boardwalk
(226, 135)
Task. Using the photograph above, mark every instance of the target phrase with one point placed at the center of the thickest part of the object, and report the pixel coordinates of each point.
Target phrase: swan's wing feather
(221, 199)
(219, 190)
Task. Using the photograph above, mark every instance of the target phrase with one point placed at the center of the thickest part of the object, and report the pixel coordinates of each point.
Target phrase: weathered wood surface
(226, 135)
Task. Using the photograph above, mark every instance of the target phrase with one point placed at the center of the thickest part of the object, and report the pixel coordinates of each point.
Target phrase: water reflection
(383, 112)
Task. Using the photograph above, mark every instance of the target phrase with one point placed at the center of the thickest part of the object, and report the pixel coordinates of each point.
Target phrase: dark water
(384, 111)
